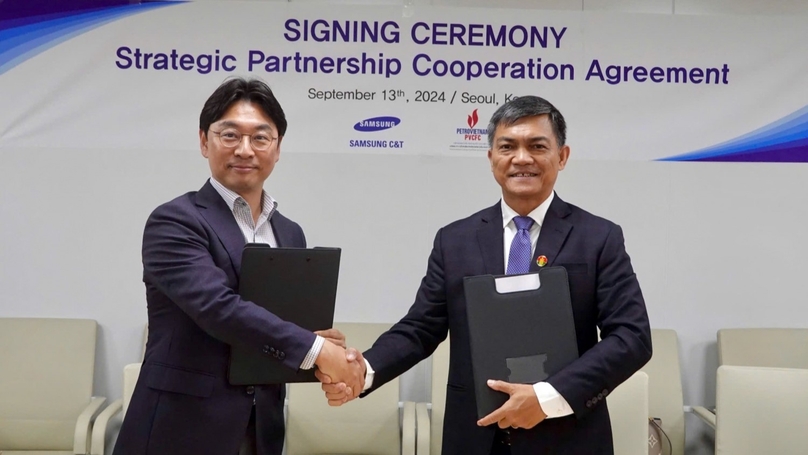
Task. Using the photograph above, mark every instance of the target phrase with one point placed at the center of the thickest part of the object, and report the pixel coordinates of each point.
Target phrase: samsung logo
(377, 124)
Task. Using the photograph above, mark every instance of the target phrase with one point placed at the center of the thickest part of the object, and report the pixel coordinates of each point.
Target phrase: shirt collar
(538, 214)
(268, 205)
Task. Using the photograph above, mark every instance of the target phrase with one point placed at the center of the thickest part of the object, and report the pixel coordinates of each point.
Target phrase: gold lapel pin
(541, 261)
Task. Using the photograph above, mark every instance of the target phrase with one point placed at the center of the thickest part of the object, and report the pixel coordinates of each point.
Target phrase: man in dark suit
(530, 227)
(192, 246)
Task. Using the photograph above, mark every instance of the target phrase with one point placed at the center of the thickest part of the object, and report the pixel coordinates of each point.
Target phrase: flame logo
(472, 120)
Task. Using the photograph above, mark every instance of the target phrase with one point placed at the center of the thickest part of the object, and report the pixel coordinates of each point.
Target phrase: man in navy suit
(566, 414)
(192, 246)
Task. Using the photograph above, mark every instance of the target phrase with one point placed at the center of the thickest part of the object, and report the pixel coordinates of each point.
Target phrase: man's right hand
(344, 370)
(338, 393)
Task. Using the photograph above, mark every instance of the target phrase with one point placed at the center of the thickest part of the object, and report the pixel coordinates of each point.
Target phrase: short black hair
(528, 106)
(240, 89)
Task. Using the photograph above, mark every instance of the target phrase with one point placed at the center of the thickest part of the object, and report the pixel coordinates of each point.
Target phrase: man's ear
(278, 155)
(203, 143)
(564, 156)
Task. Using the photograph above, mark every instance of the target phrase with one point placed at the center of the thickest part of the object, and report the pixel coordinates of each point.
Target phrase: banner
(422, 80)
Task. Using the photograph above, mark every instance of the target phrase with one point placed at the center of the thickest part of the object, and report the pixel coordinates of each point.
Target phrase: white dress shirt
(261, 232)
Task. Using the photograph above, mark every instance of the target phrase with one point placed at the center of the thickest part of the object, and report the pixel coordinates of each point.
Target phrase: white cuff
(551, 402)
(368, 375)
(314, 352)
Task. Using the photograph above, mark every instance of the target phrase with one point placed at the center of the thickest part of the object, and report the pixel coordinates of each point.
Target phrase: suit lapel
(216, 212)
(490, 237)
(283, 236)
(553, 233)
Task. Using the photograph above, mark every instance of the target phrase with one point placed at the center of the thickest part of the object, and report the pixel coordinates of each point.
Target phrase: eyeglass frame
(241, 139)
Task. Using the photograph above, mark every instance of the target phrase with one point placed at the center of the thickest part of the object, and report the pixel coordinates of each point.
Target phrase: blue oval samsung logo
(376, 124)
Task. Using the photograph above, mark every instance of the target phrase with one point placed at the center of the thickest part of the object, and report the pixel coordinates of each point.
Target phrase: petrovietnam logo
(376, 124)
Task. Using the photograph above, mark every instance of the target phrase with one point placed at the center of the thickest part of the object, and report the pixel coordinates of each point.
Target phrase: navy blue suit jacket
(183, 403)
(605, 294)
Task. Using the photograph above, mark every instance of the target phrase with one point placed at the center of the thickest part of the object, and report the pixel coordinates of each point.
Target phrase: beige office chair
(758, 347)
(46, 385)
(130, 374)
(370, 425)
(628, 412)
(780, 348)
(430, 424)
(665, 399)
(761, 410)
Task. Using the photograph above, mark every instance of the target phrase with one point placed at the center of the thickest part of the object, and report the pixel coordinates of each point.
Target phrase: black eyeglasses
(231, 138)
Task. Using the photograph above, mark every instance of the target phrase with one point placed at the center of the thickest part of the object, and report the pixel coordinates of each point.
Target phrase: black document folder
(298, 285)
(521, 336)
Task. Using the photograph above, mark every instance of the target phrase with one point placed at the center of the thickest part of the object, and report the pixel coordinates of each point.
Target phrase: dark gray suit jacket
(604, 291)
(183, 403)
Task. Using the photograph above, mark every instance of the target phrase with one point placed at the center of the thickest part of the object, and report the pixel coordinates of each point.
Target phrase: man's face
(525, 159)
(241, 168)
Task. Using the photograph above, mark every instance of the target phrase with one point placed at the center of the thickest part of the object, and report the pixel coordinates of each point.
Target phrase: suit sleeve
(417, 335)
(178, 262)
(625, 344)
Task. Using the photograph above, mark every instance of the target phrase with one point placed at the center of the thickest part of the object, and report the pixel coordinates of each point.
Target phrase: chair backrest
(46, 380)
(780, 348)
(367, 425)
(665, 400)
(440, 376)
(130, 374)
(628, 411)
(761, 410)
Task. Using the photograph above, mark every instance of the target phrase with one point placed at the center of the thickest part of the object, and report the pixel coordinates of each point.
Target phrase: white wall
(714, 245)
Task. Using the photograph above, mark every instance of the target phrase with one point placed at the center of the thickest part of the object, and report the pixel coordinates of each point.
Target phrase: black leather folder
(521, 336)
(298, 285)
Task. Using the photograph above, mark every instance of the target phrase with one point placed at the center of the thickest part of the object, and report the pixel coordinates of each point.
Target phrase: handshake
(341, 371)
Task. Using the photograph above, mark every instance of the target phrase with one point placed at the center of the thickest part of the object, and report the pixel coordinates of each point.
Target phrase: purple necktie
(519, 258)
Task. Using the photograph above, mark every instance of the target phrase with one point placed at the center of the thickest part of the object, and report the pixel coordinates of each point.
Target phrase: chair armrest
(81, 437)
(100, 426)
(424, 426)
(706, 415)
(408, 429)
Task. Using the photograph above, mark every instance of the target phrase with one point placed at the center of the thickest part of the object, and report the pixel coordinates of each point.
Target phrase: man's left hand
(522, 410)
(332, 335)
